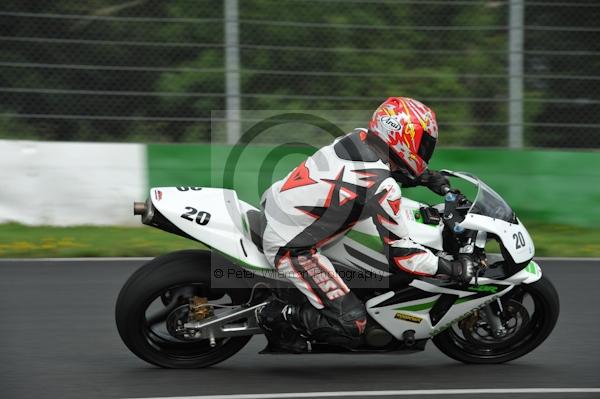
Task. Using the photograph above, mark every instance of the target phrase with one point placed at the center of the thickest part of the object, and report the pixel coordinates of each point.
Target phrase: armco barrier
(82, 183)
(49, 183)
(550, 186)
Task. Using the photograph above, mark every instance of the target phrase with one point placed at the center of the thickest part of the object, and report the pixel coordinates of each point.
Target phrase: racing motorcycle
(176, 312)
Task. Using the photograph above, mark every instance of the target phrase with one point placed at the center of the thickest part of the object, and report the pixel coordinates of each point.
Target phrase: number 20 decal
(519, 240)
(202, 218)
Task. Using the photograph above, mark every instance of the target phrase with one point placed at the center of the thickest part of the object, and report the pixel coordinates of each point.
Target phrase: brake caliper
(199, 309)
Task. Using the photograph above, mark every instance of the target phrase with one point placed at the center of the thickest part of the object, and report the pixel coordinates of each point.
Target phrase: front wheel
(529, 314)
(158, 298)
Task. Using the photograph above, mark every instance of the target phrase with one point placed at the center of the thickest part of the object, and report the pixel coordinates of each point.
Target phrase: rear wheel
(158, 298)
(528, 316)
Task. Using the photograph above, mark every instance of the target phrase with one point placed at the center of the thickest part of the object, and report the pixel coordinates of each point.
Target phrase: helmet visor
(427, 146)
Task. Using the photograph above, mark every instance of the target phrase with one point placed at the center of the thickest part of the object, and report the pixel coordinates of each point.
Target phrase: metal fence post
(515, 72)
(232, 71)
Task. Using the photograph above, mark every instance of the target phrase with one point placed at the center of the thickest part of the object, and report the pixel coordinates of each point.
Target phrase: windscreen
(489, 203)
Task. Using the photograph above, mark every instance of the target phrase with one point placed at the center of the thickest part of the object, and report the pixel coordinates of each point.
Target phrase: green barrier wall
(547, 186)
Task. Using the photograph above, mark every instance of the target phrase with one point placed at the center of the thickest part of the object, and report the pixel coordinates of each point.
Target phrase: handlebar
(447, 189)
(451, 217)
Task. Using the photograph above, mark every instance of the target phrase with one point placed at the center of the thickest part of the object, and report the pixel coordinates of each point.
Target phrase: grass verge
(18, 241)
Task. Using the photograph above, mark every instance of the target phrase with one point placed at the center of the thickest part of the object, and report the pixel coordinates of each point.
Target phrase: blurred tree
(167, 75)
(572, 54)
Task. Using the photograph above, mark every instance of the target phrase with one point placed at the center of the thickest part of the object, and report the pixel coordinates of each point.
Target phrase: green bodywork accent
(483, 288)
(532, 268)
(369, 241)
(418, 216)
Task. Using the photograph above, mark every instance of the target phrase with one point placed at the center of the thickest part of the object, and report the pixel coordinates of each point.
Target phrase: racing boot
(340, 324)
(282, 337)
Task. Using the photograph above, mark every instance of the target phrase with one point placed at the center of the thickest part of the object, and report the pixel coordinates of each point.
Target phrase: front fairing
(514, 236)
(489, 213)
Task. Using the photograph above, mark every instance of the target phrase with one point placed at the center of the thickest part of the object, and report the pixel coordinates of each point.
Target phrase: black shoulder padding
(352, 148)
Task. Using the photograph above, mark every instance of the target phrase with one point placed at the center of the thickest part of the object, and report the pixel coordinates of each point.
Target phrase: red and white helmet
(409, 130)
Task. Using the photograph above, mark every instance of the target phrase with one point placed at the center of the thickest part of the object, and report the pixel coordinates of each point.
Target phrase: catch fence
(498, 73)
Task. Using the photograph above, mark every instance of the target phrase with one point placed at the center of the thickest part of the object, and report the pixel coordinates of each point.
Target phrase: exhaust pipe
(139, 208)
(145, 210)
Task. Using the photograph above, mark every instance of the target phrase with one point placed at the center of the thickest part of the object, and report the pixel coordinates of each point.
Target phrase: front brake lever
(479, 268)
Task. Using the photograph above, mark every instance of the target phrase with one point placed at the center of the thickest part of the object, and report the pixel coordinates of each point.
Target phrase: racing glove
(460, 270)
(435, 181)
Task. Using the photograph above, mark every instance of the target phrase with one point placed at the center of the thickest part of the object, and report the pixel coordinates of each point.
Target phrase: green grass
(18, 241)
(561, 240)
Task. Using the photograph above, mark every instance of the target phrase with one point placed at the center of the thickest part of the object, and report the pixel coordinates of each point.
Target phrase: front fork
(493, 317)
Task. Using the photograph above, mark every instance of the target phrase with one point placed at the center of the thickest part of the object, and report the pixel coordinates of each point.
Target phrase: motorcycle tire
(537, 329)
(180, 268)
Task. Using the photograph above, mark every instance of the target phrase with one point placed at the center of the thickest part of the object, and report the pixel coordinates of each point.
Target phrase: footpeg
(408, 337)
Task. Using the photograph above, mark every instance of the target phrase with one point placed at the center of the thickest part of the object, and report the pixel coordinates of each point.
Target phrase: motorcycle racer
(356, 177)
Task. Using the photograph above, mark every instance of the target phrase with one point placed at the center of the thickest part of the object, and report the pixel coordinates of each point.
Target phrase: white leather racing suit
(321, 200)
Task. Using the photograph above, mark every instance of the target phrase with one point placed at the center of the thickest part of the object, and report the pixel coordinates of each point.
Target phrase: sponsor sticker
(158, 195)
(390, 123)
(408, 317)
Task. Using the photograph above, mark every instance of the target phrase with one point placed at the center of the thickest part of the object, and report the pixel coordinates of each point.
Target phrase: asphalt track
(58, 340)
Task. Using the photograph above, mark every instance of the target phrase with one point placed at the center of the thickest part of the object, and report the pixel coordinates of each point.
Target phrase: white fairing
(515, 237)
(420, 320)
(224, 231)
(528, 275)
(415, 315)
